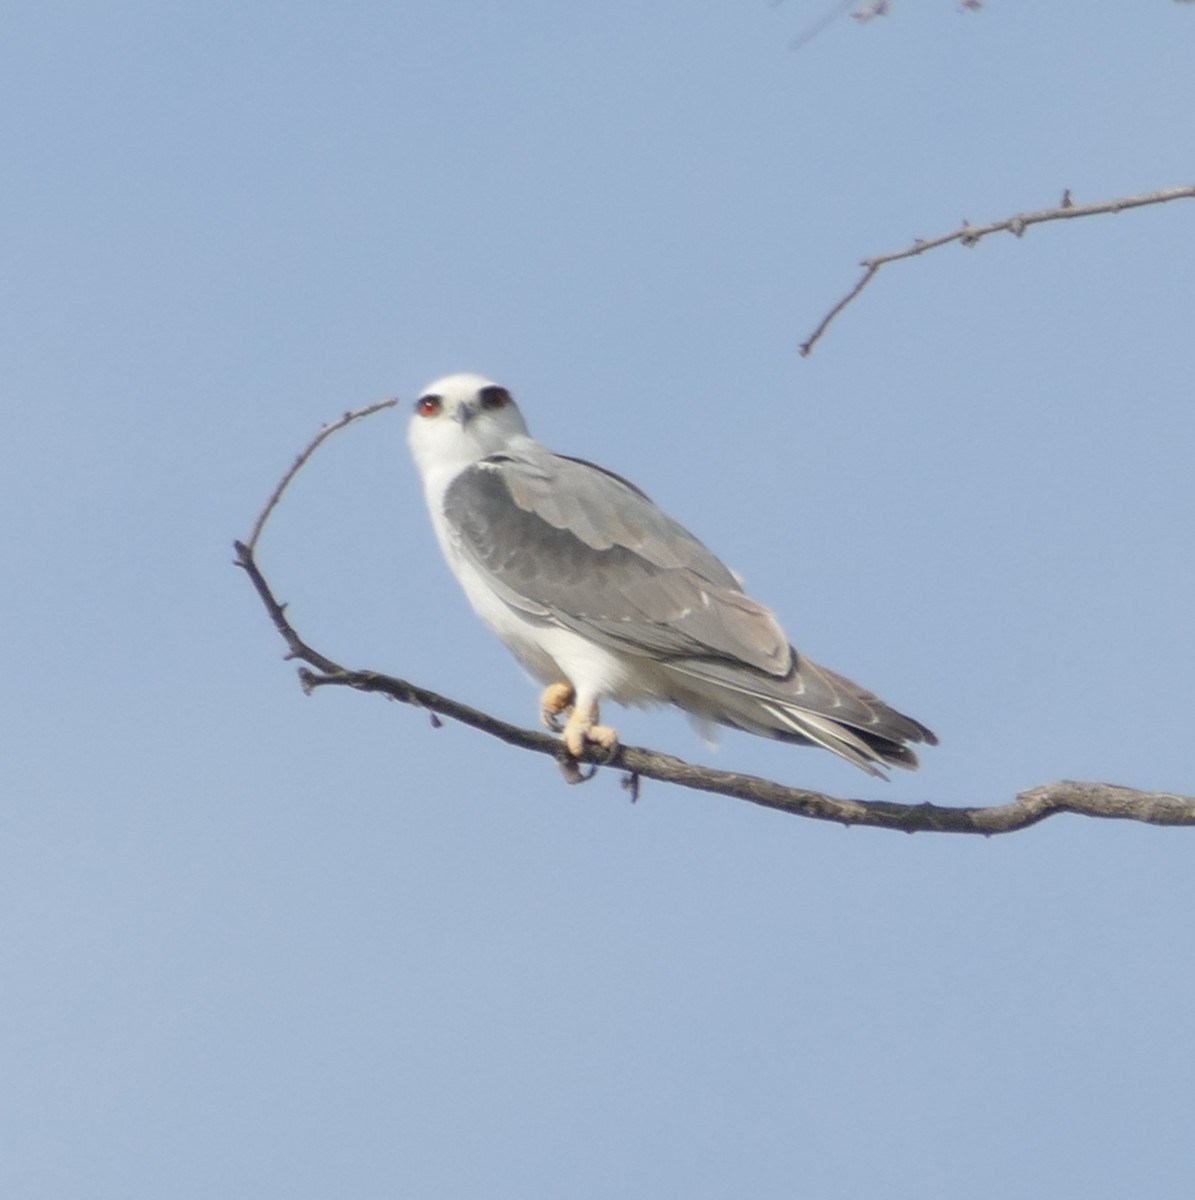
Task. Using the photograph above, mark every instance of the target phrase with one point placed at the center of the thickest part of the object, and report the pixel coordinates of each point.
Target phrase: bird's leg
(582, 727)
(557, 698)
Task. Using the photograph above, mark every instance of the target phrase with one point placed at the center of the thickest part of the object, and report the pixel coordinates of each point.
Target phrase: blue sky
(261, 944)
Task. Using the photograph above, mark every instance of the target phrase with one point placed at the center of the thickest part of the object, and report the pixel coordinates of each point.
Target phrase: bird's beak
(463, 414)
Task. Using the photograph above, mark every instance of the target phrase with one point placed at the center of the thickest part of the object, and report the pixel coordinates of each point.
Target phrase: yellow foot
(556, 698)
(582, 729)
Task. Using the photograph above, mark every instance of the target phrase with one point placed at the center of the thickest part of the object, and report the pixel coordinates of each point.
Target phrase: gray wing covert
(563, 539)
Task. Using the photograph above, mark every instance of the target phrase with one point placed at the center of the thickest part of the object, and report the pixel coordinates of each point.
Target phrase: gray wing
(563, 539)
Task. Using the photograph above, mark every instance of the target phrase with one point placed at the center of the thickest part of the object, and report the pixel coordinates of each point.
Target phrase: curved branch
(1088, 799)
(967, 235)
(325, 432)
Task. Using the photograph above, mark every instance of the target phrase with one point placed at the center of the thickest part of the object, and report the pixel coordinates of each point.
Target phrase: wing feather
(563, 538)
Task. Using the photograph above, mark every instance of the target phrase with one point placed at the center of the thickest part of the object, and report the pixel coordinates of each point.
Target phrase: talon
(556, 699)
(582, 728)
(605, 737)
(572, 772)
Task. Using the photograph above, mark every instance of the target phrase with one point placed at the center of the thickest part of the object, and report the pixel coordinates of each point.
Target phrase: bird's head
(460, 419)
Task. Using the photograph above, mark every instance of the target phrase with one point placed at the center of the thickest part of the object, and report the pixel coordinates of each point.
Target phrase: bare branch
(820, 25)
(967, 235)
(1088, 799)
(867, 11)
(302, 457)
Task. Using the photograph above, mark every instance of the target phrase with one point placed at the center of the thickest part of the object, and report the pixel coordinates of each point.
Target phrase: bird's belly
(551, 652)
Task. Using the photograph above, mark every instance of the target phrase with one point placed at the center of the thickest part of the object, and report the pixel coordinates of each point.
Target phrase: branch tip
(969, 235)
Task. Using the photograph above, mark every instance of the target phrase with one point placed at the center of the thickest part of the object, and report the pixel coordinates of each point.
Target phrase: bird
(601, 595)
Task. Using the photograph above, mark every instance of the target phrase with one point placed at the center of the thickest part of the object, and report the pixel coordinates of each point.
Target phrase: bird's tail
(811, 706)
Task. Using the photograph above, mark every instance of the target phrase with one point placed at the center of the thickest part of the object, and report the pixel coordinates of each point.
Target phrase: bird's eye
(428, 406)
(494, 397)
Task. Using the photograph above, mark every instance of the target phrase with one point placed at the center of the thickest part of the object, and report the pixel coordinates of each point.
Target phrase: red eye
(494, 397)
(428, 406)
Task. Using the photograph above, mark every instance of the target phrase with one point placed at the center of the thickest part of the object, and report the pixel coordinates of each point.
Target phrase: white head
(460, 419)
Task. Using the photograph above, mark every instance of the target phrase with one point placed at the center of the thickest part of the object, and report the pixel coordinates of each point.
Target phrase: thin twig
(302, 457)
(1089, 799)
(968, 235)
(820, 25)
